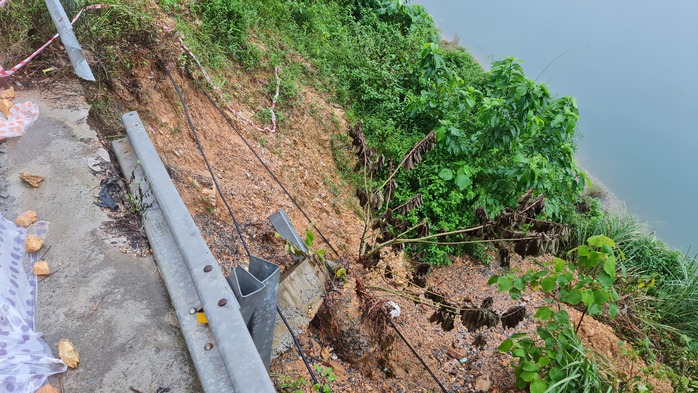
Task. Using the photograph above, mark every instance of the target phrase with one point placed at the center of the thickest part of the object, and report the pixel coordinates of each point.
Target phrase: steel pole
(70, 42)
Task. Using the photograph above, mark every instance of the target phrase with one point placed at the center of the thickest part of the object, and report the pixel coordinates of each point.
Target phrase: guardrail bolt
(208, 347)
(208, 268)
(222, 302)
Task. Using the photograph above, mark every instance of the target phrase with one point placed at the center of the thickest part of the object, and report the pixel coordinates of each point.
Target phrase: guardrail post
(257, 292)
(70, 42)
(283, 225)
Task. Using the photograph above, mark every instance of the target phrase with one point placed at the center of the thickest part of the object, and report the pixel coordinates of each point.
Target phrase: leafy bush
(560, 363)
(516, 137)
(499, 139)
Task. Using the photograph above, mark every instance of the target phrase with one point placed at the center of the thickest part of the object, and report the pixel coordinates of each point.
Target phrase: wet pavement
(113, 306)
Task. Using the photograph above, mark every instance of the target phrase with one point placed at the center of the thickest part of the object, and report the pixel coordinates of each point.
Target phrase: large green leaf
(572, 297)
(529, 366)
(587, 297)
(543, 361)
(548, 284)
(446, 174)
(583, 251)
(528, 376)
(600, 240)
(609, 266)
(463, 181)
(560, 265)
(539, 386)
(601, 296)
(506, 345)
(544, 313)
(514, 293)
(595, 309)
(505, 284)
(564, 279)
(606, 280)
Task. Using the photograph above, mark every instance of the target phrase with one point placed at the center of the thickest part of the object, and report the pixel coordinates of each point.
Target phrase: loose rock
(27, 218)
(41, 268)
(588, 331)
(8, 94)
(33, 243)
(5, 106)
(454, 354)
(482, 384)
(47, 389)
(32, 180)
(68, 354)
(210, 196)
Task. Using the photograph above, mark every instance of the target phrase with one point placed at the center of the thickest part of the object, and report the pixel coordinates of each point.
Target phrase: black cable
(298, 345)
(201, 150)
(443, 389)
(230, 211)
(230, 123)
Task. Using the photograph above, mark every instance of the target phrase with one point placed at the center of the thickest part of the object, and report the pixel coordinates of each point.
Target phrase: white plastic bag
(21, 117)
(25, 359)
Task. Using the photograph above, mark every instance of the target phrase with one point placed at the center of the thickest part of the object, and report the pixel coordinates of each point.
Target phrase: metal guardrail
(245, 367)
(174, 272)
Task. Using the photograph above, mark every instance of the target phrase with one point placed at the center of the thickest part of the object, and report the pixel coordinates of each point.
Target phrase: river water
(632, 66)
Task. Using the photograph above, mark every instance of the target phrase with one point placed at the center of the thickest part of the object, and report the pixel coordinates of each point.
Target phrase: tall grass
(24, 26)
(644, 253)
(671, 306)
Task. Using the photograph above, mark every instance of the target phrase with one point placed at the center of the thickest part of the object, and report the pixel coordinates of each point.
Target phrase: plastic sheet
(21, 117)
(25, 359)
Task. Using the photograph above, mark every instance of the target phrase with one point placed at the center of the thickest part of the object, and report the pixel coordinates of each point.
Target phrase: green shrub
(557, 360)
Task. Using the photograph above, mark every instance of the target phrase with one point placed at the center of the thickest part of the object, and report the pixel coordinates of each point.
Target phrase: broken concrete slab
(301, 294)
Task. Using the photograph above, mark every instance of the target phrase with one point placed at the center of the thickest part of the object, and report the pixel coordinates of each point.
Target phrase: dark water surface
(633, 67)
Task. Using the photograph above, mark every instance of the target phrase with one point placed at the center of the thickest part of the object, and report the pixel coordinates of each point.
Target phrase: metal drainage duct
(240, 310)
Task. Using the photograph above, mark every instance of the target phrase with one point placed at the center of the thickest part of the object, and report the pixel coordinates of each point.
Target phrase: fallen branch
(424, 240)
(414, 156)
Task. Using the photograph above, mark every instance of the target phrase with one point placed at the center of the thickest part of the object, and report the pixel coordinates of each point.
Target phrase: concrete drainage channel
(232, 353)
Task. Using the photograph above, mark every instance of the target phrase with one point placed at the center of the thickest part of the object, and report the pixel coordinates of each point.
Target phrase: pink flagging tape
(5, 73)
(20, 118)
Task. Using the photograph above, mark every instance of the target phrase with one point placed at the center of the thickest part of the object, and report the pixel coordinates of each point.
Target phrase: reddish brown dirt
(299, 153)
(465, 278)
